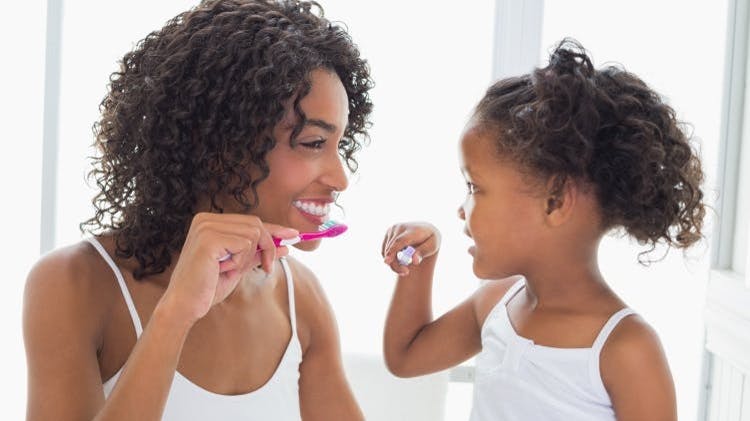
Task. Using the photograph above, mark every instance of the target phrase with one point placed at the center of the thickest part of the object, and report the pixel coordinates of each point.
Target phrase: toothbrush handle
(288, 241)
(278, 242)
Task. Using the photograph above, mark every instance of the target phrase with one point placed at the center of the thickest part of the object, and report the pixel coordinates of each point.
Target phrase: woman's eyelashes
(471, 188)
(313, 144)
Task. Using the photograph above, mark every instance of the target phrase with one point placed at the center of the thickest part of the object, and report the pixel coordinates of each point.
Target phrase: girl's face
(503, 215)
(306, 172)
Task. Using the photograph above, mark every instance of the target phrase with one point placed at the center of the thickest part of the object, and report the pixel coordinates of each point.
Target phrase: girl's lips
(472, 250)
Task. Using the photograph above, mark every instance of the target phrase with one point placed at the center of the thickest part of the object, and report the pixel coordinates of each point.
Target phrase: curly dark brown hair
(607, 128)
(193, 106)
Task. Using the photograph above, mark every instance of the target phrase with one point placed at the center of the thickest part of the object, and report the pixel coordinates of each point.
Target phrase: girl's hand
(200, 280)
(424, 237)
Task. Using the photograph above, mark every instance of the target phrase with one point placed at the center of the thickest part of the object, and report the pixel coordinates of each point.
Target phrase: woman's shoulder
(306, 284)
(314, 312)
(69, 283)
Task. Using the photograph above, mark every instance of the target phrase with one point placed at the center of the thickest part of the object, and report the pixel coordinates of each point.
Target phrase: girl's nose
(461, 214)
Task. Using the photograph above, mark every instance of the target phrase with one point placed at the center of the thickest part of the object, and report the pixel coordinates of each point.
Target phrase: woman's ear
(559, 200)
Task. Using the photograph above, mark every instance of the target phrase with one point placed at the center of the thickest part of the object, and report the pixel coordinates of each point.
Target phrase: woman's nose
(461, 213)
(335, 175)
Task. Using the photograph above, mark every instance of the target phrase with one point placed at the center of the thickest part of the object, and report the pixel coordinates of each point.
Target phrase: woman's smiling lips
(315, 210)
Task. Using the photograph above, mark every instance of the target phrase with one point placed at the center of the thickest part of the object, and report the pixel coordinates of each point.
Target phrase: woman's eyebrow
(331, 128)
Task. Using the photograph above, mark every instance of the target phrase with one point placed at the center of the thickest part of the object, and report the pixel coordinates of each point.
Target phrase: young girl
(553, 160)
(230, 124)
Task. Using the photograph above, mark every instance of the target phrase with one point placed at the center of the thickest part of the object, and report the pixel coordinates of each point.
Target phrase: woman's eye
(471, 188)
(315, 144)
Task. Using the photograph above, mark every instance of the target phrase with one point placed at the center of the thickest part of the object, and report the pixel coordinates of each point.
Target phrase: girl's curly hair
(193, 106)
(605, 127)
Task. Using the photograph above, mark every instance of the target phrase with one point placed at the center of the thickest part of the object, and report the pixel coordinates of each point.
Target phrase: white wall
(430, 65)
(22, 87)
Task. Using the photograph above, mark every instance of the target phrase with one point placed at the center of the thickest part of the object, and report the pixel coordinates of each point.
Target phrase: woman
(224, 128)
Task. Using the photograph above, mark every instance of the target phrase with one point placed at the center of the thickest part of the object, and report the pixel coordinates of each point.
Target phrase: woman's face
(306, 172)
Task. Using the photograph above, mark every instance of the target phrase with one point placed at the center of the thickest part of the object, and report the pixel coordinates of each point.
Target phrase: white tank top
(277, 399)
(517, 380)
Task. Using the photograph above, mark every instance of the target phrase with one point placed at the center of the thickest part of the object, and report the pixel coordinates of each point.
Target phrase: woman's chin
(307, 245)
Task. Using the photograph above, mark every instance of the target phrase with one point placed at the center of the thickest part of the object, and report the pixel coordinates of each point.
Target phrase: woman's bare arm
(61, 336)
(324, 391)
(61, 333)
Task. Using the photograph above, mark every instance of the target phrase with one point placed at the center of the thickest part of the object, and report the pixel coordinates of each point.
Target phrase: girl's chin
(482, 272)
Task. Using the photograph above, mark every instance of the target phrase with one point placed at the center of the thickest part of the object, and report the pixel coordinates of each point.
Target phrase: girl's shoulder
(635, 371)
(489, 294)
(631, 343)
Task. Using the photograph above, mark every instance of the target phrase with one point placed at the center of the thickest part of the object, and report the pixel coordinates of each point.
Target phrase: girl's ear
(560, 200)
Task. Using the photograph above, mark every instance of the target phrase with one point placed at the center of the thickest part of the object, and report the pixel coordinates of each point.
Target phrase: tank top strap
(609, 327)
(121, 281)
(512, 291)
(290, 291)
(594, 370)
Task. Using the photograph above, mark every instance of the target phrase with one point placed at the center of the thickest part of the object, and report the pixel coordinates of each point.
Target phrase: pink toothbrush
(328, 229)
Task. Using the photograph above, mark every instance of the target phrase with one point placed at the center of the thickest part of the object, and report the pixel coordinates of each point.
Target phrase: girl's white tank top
(277, 399)
(518, 380)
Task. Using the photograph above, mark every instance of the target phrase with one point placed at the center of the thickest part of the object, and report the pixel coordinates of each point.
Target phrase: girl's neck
(566, 281)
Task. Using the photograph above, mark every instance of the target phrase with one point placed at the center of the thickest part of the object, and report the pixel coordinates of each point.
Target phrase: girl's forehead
(477, 147)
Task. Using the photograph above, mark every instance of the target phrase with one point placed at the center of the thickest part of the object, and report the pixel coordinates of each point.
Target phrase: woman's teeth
(312, 208)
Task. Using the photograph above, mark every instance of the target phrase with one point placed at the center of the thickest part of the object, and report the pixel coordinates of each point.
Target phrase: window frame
(726, 315)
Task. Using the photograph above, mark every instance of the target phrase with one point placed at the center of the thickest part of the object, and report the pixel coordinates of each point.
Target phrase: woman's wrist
(168, 314)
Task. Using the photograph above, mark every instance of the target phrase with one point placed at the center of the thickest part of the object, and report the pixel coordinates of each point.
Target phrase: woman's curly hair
(607, 128)
(193, 106)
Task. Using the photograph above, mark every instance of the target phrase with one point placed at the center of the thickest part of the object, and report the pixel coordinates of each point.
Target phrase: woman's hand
(203, 276)
(424, 237)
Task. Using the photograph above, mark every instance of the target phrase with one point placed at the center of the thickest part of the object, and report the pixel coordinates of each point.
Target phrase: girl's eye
(471, 187)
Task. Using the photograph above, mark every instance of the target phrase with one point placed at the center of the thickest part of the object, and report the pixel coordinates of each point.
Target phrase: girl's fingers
(399, 269)
(424, 238)
(401, 241)
(387, 240)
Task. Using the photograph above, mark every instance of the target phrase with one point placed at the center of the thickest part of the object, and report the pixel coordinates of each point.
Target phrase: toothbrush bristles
(325, 225)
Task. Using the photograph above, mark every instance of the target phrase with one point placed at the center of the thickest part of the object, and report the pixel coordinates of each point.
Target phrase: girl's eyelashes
(471, 188)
